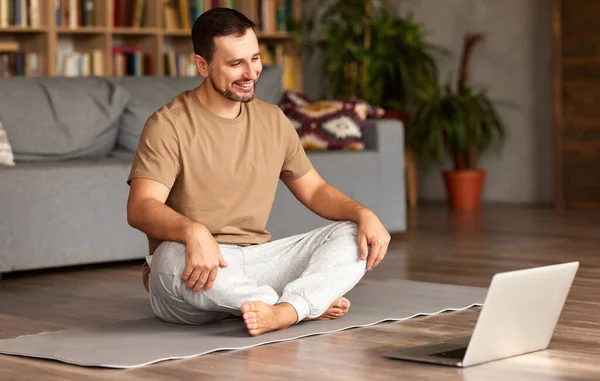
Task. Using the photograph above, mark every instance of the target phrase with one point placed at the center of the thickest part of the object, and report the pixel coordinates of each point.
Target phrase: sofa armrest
(383, 134)
(386, 137)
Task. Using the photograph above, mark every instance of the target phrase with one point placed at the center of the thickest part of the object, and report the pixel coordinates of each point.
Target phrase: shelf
(275, 35)
(135, 31)
(261, 35)
(21, 29)
(82, 30)
(177, 33)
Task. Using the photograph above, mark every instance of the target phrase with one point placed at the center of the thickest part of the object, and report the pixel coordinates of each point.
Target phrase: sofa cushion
(55, 118)
(148, 94)
(328, 124)
(269, 87)
(6, 153)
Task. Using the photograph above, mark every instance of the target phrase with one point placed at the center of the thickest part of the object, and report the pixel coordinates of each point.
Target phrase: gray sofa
(64, 203)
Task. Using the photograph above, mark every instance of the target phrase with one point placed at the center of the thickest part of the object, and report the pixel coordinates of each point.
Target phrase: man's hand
(202, 259)
(371, 232)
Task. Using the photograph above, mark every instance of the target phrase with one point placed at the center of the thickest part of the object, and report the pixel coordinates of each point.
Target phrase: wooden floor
(439, 247)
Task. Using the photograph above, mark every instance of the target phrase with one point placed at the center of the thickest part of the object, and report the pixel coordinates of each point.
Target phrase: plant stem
(459, 161)
(470, 41)
(471, 156)
(367, 44)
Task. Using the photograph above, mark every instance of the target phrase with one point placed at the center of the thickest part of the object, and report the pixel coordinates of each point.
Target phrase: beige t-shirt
(221, 172)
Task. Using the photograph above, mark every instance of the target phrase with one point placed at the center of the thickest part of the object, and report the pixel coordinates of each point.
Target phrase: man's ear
(201, 65)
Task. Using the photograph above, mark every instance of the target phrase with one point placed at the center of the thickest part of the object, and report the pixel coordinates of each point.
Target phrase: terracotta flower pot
(464, 188)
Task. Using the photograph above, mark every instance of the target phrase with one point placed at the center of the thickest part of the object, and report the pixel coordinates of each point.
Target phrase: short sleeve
(157, 155)
(296, 163)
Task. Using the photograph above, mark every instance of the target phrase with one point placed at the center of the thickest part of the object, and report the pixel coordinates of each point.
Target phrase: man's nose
(251, 74)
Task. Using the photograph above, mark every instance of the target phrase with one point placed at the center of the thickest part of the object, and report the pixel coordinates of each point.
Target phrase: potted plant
(369, 52)
(461, 123)
(401, 61)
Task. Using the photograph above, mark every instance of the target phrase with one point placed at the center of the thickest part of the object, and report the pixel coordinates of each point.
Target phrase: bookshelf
(130, 37)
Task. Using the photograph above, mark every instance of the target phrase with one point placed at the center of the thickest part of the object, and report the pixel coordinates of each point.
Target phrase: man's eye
(235, 64)
(255, 58)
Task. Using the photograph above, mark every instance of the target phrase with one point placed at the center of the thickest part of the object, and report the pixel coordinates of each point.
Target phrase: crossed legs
(272, 285)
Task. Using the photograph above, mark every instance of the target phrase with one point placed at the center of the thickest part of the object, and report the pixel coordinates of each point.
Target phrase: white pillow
(6, 153)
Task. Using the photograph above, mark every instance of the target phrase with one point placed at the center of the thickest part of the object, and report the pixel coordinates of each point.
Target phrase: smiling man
(202, 185)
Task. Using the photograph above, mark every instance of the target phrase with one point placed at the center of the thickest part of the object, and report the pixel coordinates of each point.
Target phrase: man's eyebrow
(240, 59)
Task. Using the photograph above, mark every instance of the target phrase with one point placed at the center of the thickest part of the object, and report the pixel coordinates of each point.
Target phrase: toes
(251, 320)
(342, 303)
(252, 325)
(333, 313)
(345, 303)
(247, 307)
(253, 332)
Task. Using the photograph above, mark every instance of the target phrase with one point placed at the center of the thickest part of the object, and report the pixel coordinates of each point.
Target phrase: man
(202, 185)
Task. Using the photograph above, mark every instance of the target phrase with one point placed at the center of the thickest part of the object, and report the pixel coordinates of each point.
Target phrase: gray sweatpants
(309, 271)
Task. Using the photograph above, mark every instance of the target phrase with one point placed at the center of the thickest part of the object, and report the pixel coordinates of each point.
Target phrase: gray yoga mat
(135, 343)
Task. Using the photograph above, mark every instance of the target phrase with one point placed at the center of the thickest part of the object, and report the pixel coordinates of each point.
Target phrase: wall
(514, 64)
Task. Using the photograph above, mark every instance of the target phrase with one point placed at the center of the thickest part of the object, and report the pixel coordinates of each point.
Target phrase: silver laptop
(518, 316)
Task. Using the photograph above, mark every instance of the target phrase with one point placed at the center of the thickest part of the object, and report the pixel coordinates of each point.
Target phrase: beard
(231, 95)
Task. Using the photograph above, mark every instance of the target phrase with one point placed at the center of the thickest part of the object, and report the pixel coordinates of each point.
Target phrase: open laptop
(518, 316)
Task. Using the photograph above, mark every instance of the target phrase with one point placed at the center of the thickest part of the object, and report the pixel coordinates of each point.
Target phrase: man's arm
(146, 211)
(324, 199)
(329, 202)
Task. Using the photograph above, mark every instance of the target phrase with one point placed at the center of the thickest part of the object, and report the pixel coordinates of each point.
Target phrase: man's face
(236, 66)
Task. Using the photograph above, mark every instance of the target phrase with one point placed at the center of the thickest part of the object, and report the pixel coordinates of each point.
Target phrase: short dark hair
(215, 23)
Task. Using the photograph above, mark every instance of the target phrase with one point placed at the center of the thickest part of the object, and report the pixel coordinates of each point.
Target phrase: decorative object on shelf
(460, 122)
(328, 124)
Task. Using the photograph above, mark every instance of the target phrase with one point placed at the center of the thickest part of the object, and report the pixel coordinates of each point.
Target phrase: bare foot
(336, 310)
(262, 318)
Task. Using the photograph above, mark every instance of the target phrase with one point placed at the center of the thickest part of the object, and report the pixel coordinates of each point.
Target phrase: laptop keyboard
(453, 354)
